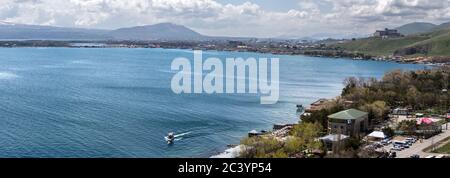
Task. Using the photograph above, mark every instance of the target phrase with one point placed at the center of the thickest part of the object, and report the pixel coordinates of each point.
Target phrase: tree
(261, 147)
(412, 97)
(302, 138)
(294, 145)
(389, 132)
(308, 133)
(378, 111)
(321, 116)
(353, 143)
(407, 126)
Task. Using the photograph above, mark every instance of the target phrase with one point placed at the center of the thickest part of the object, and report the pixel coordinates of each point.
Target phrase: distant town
(319, 48)
(410, 43)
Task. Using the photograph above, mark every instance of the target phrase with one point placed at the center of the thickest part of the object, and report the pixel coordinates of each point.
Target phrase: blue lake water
(63, 102)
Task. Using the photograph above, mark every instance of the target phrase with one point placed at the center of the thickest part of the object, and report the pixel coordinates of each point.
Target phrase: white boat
(170, 138)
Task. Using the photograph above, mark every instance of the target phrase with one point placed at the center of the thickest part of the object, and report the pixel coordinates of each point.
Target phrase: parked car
(409, 143)
(396, 148)
(431, 156)
(386, 142)
(440, 156)
(404, 144)
(401, 143)
(415, 156)
(411, 140)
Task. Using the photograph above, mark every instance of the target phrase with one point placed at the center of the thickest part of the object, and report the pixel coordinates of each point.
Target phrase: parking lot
(416, 148)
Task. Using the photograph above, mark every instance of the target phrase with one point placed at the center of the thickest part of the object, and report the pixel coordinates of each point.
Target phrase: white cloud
(214, 18)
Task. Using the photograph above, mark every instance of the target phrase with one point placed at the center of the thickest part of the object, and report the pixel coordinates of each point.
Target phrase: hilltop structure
(387, 33)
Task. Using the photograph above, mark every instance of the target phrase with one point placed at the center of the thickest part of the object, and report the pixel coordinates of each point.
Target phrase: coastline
(400, 60)
(232, 152)
(279, 48)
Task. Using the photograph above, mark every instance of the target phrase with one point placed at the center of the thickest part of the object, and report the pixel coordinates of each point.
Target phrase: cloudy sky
(258, 18)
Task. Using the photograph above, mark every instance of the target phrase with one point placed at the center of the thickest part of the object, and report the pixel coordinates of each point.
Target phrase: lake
(79, 102)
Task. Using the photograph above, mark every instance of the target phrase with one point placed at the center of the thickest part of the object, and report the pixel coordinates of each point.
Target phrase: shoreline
(231, 152)
(309, 53)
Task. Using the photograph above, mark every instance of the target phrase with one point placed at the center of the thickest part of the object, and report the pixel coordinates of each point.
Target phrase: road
(418, 147)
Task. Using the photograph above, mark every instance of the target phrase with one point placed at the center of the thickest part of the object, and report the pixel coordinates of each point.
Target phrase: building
(387, 33)
(402, 111)
(236, 43)
(317, 105)
(349, 122)
(334, 142)
(376, 136)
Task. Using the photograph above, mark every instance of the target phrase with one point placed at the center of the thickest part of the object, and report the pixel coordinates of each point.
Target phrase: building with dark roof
(387, 33)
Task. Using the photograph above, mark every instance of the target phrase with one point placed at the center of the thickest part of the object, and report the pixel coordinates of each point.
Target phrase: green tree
(378, 111)
(353, 143)
(407, 126)
(412, 97)
(321, 116)
(294, 145)
(389, 132)
(308, 134)
(260, 147)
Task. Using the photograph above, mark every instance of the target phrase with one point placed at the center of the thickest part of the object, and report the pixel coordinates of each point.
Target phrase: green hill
(421, 27)
(443, 26)
(435, 43)
(416, 27)
(438, 44)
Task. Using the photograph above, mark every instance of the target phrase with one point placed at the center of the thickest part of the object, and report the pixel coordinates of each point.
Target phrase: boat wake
(178, 137)
(7, 75)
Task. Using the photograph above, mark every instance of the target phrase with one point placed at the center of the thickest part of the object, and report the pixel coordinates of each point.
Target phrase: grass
(428, 149)
(438, 41)
(443, 149)
(376, 46)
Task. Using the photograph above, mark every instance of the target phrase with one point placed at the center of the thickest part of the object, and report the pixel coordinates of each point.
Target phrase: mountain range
(162, 31)
(21, 31)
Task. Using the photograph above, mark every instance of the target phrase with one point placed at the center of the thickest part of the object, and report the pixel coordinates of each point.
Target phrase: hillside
(438, 44)
(421, 27)
(415, 28)
(162, 31)
(442, 26)
(435, 43)
(32, 32)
